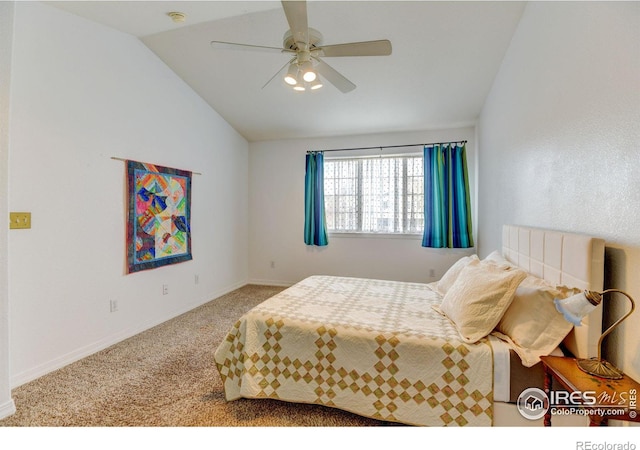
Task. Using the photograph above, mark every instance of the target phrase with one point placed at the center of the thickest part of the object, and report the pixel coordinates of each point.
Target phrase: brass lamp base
(599, 368)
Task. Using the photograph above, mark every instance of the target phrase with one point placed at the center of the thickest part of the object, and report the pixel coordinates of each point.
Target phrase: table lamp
(576, 307)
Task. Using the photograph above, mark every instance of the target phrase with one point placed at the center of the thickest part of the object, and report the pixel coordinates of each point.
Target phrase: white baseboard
(7, 409)
(77, 354)
(272, 283)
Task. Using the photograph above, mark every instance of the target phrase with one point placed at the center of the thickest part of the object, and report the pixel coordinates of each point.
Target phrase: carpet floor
(164, 377)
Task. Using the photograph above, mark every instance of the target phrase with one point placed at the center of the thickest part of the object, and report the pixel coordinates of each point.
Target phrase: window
(381, 194)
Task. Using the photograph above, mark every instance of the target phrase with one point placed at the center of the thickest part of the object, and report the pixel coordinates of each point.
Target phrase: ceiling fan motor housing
(315, 40)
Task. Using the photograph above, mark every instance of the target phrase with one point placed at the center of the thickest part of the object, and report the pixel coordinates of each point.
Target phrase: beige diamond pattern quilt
(373, 347)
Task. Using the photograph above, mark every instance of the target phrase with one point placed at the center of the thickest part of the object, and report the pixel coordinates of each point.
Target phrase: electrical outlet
(113, 305)
(273, 264)
(165, 289)
(197, 279)
(432, 273)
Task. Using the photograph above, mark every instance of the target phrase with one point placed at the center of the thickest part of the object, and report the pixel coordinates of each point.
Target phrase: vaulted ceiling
(444, 60)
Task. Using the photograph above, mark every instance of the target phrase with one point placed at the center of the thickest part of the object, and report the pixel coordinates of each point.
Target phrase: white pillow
(479, 297)
(532, 324)
(450, 276)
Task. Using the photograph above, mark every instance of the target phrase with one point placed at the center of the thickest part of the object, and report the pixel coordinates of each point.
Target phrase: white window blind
(379, 194)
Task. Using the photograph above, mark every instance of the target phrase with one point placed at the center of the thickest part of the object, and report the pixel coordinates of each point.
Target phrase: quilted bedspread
(375, 348)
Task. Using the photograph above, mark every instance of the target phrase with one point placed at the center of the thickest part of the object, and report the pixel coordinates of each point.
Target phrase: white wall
(7, 406)
(559, 140)
(276, 205)
(80, 94)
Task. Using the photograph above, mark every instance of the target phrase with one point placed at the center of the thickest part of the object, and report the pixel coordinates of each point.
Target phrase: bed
(456, 352)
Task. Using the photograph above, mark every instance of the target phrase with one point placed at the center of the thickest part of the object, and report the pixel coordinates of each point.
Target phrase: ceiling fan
(305, 46)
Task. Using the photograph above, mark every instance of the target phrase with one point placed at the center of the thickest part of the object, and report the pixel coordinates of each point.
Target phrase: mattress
(510, 377)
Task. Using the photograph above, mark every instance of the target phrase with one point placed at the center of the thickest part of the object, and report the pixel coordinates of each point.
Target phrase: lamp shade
(577, 306)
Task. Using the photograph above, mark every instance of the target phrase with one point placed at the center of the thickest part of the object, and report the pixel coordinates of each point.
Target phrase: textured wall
(7, 406)
(80, 94)
(558, 140)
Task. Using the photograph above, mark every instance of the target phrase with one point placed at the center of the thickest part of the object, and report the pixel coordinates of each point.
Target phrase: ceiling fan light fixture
(316, 84)
(291, 78)
(308, 74)
(304, 45)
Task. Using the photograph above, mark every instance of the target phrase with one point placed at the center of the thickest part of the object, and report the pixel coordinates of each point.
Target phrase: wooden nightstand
(599, 394)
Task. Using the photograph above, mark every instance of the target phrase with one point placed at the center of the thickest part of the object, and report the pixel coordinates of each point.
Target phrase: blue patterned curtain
(447, 209)
(315, 225)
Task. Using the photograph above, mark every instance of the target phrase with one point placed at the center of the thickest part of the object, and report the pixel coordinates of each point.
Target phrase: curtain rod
(125, 160)
(385, 146)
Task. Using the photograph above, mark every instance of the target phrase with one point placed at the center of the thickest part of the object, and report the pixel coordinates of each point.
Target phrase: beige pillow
(532, 324)
(479, 297)
(450, 276)
(497, 258)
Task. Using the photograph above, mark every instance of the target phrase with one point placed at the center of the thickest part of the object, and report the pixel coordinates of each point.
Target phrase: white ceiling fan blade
(279, 71)
(221, 45)
(296, 12)
(367, 48)
(334, 77)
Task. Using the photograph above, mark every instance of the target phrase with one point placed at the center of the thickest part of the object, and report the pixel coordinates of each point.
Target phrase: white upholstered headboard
(569, 259)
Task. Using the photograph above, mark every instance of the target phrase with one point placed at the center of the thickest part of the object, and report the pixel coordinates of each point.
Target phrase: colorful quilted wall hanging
(158, 225)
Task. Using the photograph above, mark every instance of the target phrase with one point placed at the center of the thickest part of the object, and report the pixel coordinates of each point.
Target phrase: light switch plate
(19, 220)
